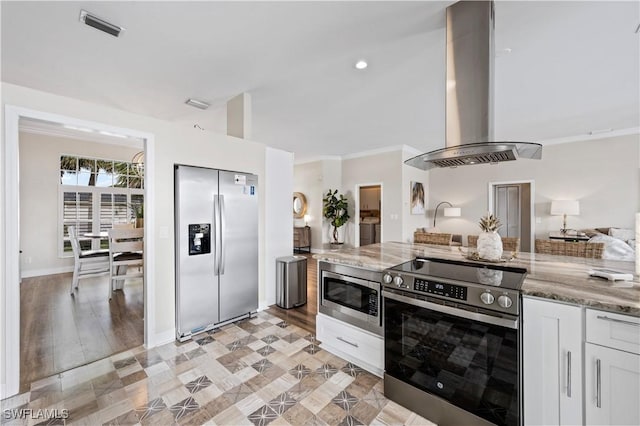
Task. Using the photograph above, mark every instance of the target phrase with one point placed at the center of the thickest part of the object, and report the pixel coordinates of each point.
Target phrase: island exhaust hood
(469, 94)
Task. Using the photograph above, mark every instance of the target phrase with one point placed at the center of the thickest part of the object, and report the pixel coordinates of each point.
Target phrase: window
(95, 194)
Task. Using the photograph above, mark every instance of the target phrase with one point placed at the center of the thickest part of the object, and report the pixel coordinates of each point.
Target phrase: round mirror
(299, 205)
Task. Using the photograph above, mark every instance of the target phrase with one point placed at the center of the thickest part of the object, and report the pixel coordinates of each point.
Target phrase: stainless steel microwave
(352, 295)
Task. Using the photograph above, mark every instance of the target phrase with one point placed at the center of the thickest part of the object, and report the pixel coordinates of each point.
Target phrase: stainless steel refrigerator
(216, 232)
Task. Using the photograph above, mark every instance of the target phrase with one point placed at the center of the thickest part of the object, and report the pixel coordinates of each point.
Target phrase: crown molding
(316, 158)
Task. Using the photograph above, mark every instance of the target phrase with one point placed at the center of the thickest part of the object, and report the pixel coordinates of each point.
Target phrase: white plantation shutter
(95, 194)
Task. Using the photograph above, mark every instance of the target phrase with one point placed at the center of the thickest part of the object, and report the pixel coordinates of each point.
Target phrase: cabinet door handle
(598, 385)
(618, 320)
(355, 345)
(569, 374)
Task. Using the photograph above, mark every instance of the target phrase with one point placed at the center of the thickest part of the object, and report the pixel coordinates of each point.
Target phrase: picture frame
(418, 198)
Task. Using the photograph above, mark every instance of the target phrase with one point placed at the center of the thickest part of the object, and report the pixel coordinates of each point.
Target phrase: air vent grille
(100, 24)
(491, 157)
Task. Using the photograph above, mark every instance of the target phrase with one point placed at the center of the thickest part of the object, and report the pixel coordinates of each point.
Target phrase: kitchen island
(561, 278)
(579, 350)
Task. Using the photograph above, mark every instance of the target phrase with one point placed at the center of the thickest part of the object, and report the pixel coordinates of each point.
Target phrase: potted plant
(335, 210)
(489, 241)
(137, 211)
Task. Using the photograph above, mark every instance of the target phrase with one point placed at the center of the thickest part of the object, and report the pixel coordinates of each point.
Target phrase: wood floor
(304, 316)
(59, 331)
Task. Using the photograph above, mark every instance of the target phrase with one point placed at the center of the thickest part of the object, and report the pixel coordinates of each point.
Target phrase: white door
(552, 358)
(612, 386)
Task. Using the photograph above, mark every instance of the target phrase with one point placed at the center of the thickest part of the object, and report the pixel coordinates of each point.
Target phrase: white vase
(490, 246)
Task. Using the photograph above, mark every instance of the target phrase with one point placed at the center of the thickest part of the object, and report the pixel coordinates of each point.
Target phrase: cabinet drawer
(351, 340)
(613, 330)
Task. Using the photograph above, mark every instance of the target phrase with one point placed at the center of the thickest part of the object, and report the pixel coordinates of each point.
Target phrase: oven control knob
(505, 301)
(487, 298)
(398, 281)
(387, 278)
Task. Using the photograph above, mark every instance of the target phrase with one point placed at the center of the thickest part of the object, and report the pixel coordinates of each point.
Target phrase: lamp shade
(452, 211)
(568, 207)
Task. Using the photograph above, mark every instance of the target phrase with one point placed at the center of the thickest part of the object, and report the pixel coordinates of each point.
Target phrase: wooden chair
(432, 238)
(88, 263)
(125, 250)
(570, 248)
(508, 243)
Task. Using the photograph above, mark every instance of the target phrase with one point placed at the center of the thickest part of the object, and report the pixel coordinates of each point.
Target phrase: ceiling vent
(100, 24)
(197, 104)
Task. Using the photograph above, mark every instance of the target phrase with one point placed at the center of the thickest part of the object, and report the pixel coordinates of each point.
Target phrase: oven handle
(488, 319)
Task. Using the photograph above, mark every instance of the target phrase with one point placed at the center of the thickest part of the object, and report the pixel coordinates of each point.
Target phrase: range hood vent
(469, 94)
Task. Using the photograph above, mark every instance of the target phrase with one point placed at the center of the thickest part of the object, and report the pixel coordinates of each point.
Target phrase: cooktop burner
(465, 272)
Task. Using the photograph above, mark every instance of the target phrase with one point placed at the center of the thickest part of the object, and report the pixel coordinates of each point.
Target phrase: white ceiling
(573, 67)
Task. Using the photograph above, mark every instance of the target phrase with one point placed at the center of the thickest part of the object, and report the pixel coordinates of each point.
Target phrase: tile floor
(257, 371)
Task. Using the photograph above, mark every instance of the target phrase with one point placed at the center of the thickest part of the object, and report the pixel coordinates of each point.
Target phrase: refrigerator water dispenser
(199, 238)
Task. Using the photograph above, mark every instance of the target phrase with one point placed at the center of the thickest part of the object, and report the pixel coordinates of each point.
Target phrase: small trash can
(291, 281)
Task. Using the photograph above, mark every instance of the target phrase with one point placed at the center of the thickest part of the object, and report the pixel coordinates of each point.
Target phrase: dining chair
(88, 263)
(123, 225)
(125, 250)
(440, 239)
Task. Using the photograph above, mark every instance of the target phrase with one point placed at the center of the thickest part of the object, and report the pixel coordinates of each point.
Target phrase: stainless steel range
(453, 342)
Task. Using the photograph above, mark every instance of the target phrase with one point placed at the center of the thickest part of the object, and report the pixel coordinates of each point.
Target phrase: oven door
(469, 359)
(353, 300)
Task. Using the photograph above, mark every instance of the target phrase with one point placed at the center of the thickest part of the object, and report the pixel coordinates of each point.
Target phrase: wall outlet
(29, 260)
(538, 219)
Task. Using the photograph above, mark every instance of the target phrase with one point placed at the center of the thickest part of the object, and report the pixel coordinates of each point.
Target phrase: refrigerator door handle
(216, 267)
(222, 234)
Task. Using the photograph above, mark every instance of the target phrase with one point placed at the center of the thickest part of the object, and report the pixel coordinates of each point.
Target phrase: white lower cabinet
(552, 363)
(361, 347)
(612, 369)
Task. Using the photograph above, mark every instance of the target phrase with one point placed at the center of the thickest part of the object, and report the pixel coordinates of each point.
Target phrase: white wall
(602, 174)
(384, 168)
(412, 174)
(174, 143)
(278, 213)
(39, 192)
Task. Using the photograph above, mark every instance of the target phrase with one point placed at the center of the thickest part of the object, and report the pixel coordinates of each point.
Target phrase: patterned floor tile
(266, 350)
(312, 349)
(283, 324)
(345, 400)
(300, 371)
(326, 371)
(258, 371)
(282, 403)
(270, 339)
(263, 416)
(352, 369)
(198, 384)
(183, 408)
(262, 365)
(152, 407)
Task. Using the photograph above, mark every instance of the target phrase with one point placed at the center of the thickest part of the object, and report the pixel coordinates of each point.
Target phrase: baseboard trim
(45, 271)
(263, 304)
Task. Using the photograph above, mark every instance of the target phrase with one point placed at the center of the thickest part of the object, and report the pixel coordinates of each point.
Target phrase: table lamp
(564, 208)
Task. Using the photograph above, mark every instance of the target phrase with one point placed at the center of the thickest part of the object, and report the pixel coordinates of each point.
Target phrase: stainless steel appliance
(352, 295)
(453, 341)
(216, 256)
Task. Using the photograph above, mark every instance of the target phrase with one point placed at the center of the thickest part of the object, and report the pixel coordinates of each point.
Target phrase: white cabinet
(552, 362)
(612, 369)
(351, 343)
(370, 198)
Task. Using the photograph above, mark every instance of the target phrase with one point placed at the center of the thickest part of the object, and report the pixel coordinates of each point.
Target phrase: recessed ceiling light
(197, 104)
(100, 24)
(361, 64)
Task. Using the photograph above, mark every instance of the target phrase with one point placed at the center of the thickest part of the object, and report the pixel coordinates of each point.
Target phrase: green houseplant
(335, 210)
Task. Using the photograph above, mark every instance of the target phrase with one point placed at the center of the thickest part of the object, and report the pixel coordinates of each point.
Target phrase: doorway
(512, 203)
(14, 117)
(369, 214)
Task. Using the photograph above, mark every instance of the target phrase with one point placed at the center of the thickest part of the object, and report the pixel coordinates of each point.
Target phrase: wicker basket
(511, 244)
(432, 238)
(570, 248)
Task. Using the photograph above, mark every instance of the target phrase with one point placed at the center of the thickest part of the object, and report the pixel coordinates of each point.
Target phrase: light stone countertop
(561, 278)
